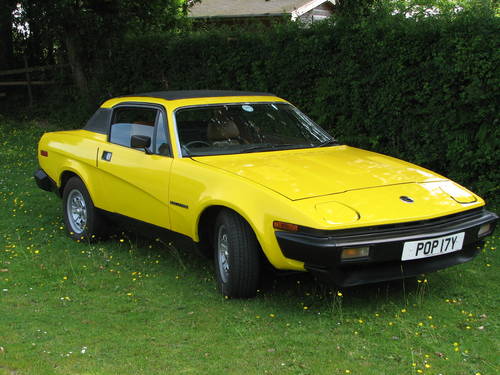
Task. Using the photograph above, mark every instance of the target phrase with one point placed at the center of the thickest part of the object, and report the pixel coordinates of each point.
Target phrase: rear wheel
(237, 256)
(81, 218)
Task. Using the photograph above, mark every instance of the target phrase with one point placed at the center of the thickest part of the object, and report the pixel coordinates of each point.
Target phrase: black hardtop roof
(189, 94)
(100, 121)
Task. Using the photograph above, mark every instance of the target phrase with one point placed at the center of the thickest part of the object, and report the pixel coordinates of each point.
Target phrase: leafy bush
(422, 89)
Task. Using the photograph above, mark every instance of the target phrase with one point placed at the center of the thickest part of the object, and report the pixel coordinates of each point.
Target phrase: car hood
(308, 173)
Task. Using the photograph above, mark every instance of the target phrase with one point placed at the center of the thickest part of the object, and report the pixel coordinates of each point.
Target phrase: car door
(134, 181)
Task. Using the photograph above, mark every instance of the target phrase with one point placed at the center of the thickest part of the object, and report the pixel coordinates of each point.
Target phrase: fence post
(28, 80)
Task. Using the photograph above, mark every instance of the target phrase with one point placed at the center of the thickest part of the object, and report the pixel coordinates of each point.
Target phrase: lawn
(130, 305)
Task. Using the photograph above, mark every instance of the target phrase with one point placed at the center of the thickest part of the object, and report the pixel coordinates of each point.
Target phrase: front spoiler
(320, 251)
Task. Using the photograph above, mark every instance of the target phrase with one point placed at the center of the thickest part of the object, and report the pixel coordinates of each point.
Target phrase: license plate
(433, 246)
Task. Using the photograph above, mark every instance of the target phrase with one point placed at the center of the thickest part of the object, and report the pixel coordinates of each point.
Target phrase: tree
(411, 8)
(353, 8)
(7, 8)
(429, 8)
(78, 29)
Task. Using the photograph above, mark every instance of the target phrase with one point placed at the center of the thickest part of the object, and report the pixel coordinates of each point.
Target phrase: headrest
(222, 130)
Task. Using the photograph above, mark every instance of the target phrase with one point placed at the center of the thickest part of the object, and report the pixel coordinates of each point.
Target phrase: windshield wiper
(263, 146)
(270, 146)
(330, 142)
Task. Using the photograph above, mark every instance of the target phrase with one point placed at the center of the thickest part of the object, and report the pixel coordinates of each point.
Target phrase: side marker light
(285, 226)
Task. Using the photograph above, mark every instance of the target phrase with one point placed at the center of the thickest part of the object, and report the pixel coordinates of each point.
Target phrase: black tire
(237, 256)
(81, 219)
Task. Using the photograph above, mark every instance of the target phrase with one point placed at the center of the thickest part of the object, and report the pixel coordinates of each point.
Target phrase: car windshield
(249, 127)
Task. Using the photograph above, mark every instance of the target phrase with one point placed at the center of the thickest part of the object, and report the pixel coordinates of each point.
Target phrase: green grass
(135, 306)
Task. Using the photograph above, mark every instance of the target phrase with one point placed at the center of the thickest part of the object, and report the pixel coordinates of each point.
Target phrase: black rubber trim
(43, 181)
(410, 226)
(179, 204)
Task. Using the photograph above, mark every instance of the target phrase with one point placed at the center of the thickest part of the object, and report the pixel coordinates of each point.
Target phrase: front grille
(402, 228)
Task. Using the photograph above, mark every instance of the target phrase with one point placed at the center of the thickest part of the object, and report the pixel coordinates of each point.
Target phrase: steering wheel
(203, 143)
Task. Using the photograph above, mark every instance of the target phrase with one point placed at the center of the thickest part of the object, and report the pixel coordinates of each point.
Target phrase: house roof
(253, 8)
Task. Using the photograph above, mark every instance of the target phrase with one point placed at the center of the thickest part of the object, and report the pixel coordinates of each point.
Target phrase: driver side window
(129, 121)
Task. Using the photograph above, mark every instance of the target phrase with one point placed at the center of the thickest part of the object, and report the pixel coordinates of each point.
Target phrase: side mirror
(141, 141)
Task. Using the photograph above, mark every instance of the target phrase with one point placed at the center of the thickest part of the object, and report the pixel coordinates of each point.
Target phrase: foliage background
(424, 89)
(421, 88)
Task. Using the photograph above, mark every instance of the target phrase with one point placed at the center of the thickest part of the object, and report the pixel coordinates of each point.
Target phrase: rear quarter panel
(74, 151)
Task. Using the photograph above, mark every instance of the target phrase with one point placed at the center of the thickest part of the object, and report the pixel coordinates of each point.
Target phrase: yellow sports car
(248, 177)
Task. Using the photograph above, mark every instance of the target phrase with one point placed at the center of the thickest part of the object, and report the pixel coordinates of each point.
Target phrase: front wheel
(81, 218)
(237, 256)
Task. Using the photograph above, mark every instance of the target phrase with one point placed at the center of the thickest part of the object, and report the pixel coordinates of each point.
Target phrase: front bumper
(320, 250)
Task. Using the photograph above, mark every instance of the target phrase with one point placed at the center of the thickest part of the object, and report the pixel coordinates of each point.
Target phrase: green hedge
(423, 90)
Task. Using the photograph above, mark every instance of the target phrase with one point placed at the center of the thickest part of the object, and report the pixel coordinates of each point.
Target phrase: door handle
(106, 155)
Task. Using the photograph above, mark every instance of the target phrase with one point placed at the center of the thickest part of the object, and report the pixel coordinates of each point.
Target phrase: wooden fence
(27, 78)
